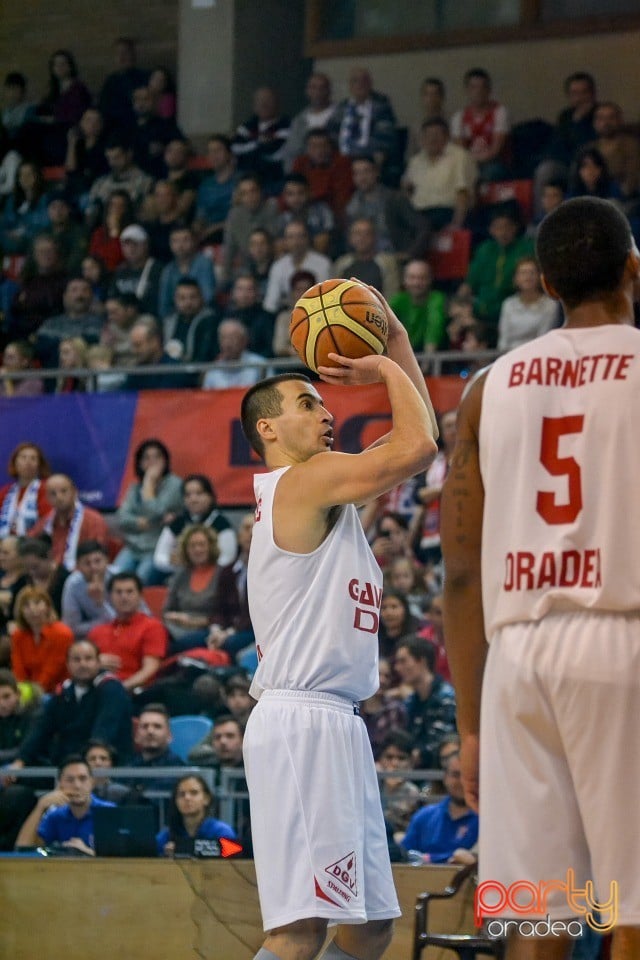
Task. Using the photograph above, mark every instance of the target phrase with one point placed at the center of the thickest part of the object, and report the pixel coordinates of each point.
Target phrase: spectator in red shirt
(69, 522)
(132, 644)
(327, 171)
(39, 644)
(105, 239)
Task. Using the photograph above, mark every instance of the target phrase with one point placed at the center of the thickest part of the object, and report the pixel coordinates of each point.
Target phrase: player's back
(560, 463)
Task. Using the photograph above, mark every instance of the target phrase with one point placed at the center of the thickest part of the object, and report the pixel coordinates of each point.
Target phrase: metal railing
(227, 791)
(432, 365)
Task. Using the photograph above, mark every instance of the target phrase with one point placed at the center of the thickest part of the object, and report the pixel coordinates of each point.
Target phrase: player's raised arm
(407, 449)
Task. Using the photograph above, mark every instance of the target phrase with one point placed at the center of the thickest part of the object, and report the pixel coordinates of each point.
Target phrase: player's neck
(616, 309)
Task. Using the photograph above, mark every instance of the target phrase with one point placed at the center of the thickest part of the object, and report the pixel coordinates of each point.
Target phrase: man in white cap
(139, 274)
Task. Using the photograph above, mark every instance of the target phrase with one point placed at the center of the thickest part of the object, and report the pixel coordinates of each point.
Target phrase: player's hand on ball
(392, 320)
(360, 371)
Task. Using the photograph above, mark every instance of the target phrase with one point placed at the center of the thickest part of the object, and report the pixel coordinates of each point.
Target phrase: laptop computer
(125, 831)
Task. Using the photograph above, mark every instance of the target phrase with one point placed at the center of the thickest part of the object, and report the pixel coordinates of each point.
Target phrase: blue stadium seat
(187, 731)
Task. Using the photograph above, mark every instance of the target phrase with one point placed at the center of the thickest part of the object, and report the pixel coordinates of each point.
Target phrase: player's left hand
(360, 371)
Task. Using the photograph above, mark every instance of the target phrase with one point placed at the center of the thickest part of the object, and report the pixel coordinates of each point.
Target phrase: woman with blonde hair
(72, 355)
(190, 603)
(40, 641)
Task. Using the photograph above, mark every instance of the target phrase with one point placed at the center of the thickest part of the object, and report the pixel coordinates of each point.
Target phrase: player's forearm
(466, 647)
(399, 349)
(28, 835)
(412, 434)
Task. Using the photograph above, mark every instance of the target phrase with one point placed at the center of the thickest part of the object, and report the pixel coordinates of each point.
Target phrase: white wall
(527, 77)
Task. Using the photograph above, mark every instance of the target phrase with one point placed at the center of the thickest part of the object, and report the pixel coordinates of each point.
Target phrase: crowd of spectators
(138, 258)
(207, 252)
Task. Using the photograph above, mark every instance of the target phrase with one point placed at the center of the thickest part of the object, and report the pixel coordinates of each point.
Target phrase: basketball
(337, 316)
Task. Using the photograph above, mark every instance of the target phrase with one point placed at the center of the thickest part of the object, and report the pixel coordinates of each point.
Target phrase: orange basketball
(337, 316)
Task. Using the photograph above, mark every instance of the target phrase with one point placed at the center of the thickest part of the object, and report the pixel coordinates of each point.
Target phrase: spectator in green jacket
(421, 310)
(492, 268)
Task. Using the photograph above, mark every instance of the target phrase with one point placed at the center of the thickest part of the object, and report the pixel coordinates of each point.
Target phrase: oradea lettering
(368, 596)
(570, 568)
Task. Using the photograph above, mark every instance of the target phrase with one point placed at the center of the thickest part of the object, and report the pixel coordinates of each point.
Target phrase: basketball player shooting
(541, 540)
(314, 592)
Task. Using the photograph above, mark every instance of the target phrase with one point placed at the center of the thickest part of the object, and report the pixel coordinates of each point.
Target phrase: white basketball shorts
(559, 759)
(319, 837)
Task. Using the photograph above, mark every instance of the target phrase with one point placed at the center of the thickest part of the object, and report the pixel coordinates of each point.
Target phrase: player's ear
(633, 261)
(264, 426)
(548, 289)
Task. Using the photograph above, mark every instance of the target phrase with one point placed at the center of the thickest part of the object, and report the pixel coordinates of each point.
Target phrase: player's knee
(307, 936)
(380, 932)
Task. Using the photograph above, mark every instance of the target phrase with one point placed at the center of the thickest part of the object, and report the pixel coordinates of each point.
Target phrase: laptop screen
(126, 831)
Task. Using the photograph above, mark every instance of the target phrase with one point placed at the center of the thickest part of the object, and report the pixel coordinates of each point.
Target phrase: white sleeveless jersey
(560, 462)
(315, 615)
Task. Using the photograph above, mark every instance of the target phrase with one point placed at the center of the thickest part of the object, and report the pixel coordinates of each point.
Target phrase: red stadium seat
(449, 254)
(53, 174)
(12, 266)
(199, 163)
(154, 597)
(502, 190)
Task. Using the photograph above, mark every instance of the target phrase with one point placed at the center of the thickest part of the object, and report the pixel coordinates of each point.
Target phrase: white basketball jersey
(560, 462)
(315, 615)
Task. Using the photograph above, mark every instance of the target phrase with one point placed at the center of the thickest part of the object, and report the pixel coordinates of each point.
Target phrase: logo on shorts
(344, 872)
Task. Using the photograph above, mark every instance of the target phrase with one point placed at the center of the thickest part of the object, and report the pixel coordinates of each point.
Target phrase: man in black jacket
(92, 703)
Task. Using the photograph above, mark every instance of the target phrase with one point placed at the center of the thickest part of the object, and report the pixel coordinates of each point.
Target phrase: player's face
(191, 799)
(304, 427)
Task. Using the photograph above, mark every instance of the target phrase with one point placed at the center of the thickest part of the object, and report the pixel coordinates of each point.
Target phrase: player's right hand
(361, 371)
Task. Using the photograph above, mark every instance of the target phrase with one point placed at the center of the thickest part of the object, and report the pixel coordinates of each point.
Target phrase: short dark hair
(435, 122)
(434, 82)
(7, 679)
(118, 141)
(229, 718)
(35, 547)
(204, 482)
(558, 183)
(128, 300)
(298, 178)
(400, 739)
(582, 77)
(263, 399)
(90, 546)
(419, 649)
(250, 175)
(71, 759)
(76, 643)
(122, 575)
(156, 708)
(189, 282)
(104, 745)
(15, 79)
(478, 73)
(582, 248)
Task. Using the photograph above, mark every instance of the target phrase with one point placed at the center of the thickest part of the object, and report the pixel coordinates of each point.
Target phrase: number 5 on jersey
(553, 429)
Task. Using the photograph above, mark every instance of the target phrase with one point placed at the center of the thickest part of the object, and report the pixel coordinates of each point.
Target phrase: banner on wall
(92, 437)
